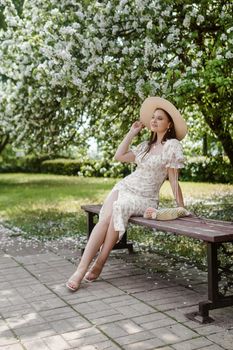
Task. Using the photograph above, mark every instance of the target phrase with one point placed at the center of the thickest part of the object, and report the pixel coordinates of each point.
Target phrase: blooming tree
(41, 95)
(181, 50)
(75, 66)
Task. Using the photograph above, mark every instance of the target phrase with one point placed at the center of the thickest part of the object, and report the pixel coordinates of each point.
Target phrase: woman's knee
(105, 221)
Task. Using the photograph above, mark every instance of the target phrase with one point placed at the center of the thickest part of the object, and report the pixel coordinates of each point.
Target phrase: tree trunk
(227, 143)
(223, 136)
(4, 140)
(205, 145)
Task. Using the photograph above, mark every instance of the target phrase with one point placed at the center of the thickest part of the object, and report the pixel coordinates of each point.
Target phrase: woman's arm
(173, 179)
(123, 154)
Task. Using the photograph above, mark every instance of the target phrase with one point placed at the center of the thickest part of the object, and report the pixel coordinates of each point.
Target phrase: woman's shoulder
(173, 154)
(172, 144)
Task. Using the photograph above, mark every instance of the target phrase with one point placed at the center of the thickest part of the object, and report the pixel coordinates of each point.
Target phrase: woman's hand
(123, 154)
(136, 128)
(149, 212)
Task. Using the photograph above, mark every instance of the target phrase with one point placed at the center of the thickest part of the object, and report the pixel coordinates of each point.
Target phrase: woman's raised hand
(136, 127)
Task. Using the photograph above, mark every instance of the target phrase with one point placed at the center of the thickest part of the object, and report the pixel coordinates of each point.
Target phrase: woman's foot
(74, 282)
(93, 273)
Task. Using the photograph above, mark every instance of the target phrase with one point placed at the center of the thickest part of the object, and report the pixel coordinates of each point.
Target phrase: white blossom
(80, 14)
(222, 14)
(173, 63)
(166, 12)
(199, 54)
(155, 86)
(54, 12)
(186, 21)
(69, 30)
(135, 24)
(139, 86)
(223, 37)
(195, 63)
(194, 11)
(229, 54)
(25, 47)
(162, 24)
(123, 3)
(77, 81)
(200, 19)
(149, 25)
(121, 89)
(125, 10)
(170, 38)
(114, 29)
(229, 30)
(63, 53)
(178, 83)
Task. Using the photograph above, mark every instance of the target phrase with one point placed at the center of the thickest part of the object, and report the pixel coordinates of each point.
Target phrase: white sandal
(73, 289)
(99, 270)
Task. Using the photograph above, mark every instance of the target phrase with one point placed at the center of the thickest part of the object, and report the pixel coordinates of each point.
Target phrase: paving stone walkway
(126, 308)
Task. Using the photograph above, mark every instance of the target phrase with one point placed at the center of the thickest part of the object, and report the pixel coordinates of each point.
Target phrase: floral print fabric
(140, 190)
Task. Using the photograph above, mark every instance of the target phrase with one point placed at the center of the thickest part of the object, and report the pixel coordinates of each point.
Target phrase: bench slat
(208, 225)
(207, 230)
(177, 226)
(211, 221)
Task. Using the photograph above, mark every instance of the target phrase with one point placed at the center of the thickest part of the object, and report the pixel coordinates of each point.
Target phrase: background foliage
(198, 169)
(72, 70)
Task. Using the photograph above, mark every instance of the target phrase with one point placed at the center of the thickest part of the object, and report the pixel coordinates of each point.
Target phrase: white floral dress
(140, 189)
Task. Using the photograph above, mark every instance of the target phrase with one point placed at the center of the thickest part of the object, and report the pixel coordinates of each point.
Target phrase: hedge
(86, 167)
(205, 169)
(28, 164)
(198, 169)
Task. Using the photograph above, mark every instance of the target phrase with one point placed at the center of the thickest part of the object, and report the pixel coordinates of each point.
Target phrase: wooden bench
(213, 232)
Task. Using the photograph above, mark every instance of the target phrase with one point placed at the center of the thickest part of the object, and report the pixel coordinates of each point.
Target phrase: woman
(156, 160)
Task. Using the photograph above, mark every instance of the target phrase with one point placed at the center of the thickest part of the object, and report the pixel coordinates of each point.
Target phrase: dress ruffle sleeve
(173, 154)
(139, 148)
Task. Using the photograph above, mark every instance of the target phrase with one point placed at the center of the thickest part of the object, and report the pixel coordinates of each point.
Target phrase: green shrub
(61, 166)
(205, 169)
(27, 164)
(197, 169)
(103, 168)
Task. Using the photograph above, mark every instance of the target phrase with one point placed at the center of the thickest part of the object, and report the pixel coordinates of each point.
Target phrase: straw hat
(152, 103)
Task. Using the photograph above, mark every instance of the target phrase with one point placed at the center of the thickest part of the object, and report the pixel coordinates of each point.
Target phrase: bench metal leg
(123, 244)
(216, 297)
(90, 223)
(90, 226)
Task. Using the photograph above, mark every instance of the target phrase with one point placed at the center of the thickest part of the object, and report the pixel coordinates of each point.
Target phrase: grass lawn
(48, 207)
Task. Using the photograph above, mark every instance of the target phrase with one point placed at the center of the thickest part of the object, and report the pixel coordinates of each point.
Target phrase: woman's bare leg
(95, 241)
(111, 238)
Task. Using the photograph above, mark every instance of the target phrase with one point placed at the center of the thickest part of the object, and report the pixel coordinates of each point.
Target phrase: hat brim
(152, 103)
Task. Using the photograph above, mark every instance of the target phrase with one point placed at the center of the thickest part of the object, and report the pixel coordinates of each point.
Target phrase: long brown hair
(170, 133)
